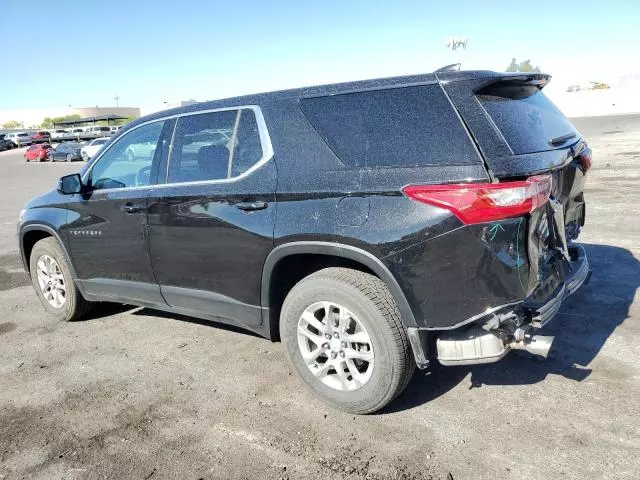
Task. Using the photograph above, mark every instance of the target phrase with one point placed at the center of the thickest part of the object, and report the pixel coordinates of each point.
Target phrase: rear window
(399, 127)
(527, 119)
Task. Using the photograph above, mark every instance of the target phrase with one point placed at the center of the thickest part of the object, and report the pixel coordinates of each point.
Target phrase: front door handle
(130, 208)
(250, 206)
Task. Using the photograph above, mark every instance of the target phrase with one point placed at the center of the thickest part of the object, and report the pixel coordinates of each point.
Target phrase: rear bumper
(579, 273)
(472, 344)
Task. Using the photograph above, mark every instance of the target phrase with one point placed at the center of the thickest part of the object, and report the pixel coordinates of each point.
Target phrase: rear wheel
(343, 334)
(53, 283)
(69, 157)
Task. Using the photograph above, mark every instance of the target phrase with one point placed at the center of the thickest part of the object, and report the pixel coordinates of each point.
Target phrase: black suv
(360, 223)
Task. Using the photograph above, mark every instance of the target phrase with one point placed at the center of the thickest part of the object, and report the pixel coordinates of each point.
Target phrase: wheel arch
(333, 254)
(31, 234)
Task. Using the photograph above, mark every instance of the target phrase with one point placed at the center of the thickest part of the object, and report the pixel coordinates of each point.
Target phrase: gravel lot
(135, 393)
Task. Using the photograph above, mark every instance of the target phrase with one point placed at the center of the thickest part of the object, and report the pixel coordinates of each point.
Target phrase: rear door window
(399, 127)
(214, 146)
(527, 119)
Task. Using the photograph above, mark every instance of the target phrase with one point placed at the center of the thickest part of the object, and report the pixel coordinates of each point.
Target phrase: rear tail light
(485, 202)
(585, 159)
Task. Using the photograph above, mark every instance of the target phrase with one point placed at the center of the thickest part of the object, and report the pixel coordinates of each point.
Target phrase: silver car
(20, 139)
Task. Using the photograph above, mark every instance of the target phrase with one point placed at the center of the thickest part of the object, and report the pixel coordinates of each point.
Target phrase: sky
(85, 52)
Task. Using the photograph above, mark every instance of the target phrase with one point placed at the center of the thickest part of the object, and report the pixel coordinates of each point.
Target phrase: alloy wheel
(51, 281)
(335, 346)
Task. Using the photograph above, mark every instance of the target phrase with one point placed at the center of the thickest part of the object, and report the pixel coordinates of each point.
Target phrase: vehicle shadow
(583, 325)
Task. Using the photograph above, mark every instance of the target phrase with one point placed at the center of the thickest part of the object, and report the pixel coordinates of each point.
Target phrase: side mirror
(70, 184)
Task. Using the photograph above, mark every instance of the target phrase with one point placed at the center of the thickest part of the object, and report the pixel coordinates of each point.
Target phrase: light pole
(457, 43)
(117, 99)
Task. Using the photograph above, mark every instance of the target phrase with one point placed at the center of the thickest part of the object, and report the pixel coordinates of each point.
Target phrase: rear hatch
(521, 133)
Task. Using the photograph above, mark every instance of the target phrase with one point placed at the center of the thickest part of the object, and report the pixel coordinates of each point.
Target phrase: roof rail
(454, 67)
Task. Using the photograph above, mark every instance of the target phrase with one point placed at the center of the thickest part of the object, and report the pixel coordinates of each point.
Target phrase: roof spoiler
(539, 80)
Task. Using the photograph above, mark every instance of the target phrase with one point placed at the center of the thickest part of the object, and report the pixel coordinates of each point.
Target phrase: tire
(368, 300)
(69, 157)
(74, 306)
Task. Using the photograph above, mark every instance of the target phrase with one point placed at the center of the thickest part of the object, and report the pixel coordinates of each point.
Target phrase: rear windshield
(527, 119)
(399, 127)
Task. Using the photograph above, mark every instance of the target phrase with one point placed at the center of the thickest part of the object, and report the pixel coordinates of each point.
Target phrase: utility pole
(455, 44)
(117, 99)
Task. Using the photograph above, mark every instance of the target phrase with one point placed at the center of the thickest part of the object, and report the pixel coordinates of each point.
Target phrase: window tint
(128, 162)
(527, 119)
(248, 149)
(214, 146)
(397, 127)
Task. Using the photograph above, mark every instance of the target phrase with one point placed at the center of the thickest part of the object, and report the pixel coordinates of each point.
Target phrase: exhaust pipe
(534, 344)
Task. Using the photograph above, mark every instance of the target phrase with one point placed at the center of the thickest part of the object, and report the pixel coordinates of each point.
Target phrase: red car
(41, 137)
(39, 152)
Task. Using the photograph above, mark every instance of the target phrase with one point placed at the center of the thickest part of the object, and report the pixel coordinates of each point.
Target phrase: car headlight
(21, 216)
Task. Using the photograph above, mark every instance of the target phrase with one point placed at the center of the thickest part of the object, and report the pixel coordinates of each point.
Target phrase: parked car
(58, 134)
(440, 207)
(19, 139)
(115, 128)
(97, 131)
(92, 148)
(140, 150)
(5, 143)
(75, 134)
(65, 152)
(37, 152)
(41, 137)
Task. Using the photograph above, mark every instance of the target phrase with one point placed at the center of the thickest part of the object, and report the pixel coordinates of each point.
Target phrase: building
(34, 117)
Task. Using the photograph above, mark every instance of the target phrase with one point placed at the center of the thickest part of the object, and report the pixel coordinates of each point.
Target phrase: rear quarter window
(399, 127)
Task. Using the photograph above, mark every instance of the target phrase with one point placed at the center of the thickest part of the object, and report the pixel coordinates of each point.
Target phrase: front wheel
(53, 283)
(343, 334)
(69, 157)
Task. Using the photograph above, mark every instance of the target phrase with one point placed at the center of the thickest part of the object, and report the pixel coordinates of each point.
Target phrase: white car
(92, 148)
(97, 131)
(140, 150)
(58, 134)
(19, 139)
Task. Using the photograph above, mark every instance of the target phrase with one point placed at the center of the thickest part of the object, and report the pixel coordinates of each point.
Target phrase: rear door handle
(249, 206)
(129, 208)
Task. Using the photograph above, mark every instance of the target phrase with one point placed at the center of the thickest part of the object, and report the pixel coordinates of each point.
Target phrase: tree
(525, 67)
(66, 118)
(46, 123)
(12, 124)
(513, 66)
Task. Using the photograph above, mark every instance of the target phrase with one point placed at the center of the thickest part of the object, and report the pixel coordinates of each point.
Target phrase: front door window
(127, 163)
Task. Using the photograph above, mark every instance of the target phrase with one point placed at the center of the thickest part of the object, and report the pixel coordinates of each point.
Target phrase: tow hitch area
(476, 345)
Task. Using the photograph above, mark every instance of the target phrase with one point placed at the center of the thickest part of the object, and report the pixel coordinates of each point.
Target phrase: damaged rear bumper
(492, 336)
(579, 273)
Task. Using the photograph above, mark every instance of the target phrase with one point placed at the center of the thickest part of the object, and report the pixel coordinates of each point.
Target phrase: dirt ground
(135, 393)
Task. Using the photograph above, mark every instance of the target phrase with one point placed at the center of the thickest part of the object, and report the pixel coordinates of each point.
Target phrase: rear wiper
(562, 138)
